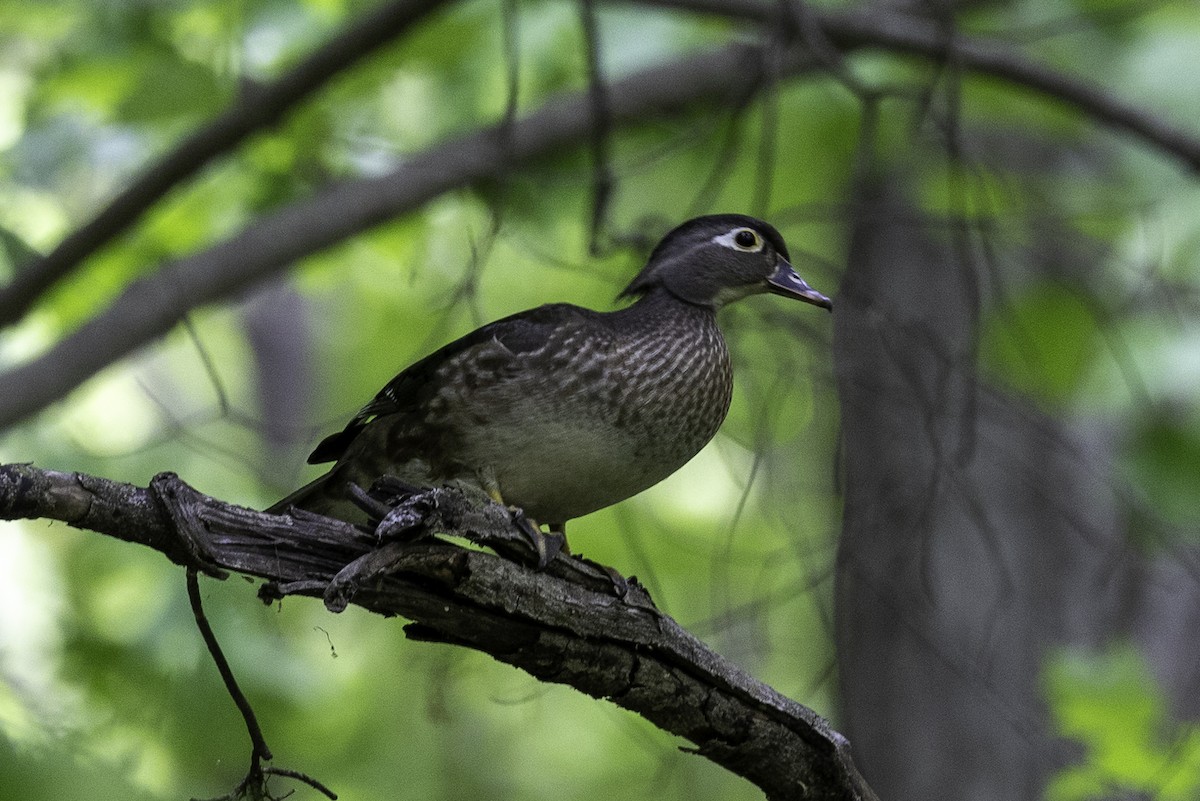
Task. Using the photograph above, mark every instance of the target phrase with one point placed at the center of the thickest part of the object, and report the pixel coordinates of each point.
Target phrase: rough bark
(564, 624)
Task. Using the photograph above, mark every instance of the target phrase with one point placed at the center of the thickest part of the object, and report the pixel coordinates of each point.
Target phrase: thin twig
(302, 777)
(259, 749)
(511, 33)
(150, 307)
(254, 111)
(568, 628)
(601, 128)
(210, 367)
(904, 33)
(153, 305)
(254, 782)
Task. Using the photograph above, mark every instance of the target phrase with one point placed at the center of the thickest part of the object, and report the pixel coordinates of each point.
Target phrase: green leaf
(1163, 460)
(168, 86)
(1111, 704)
(1043, 343)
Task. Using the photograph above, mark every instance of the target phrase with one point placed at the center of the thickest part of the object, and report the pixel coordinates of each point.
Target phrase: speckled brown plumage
(562, 410)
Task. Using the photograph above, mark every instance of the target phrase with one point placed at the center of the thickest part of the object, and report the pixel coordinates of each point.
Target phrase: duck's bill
(786, 281)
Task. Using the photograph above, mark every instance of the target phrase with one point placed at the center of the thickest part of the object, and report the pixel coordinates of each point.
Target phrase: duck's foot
(396, 510)
(620, 585)
(545, 545)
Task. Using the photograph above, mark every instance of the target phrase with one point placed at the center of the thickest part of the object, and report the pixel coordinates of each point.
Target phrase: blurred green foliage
(105, 690)
(1109, 702)
(1044, 343)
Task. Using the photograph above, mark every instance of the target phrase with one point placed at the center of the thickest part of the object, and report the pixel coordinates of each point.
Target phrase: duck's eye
(746, 239)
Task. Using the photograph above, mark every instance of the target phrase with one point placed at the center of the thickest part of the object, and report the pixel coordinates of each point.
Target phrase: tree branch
(152, 306)
(563, 625)
(906, 33)
(255, 109)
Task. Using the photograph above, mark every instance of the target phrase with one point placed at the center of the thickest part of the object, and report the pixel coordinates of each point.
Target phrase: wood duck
(562, 410)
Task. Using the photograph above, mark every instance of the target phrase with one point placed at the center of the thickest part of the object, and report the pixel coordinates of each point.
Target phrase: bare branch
(903, 33)
(566, 628)
(256, 108)
(151, 306)
(603, 179)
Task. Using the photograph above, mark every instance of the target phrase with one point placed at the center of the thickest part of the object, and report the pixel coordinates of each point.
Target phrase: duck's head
(713, 260)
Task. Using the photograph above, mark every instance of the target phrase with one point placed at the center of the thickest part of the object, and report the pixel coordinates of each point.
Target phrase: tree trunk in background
(977, 534)
(278, 329)
(1166, 625)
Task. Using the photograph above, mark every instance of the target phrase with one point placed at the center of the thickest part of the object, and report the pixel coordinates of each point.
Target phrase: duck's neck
(659, 302)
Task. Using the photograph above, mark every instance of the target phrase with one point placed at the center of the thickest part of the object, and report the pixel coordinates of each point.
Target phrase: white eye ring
(732, 240)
